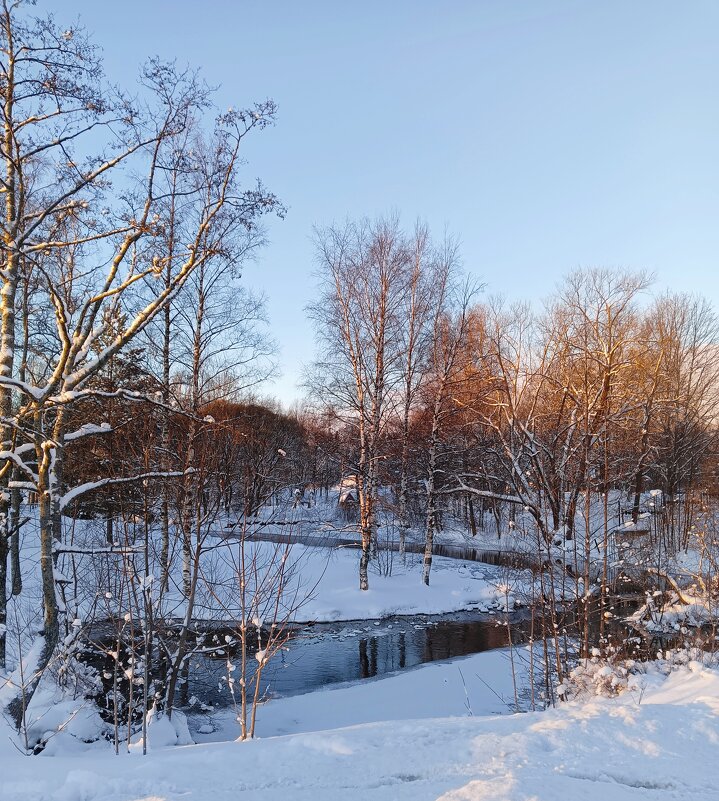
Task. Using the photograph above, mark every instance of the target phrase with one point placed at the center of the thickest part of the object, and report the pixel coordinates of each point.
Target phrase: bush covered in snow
(605, 676)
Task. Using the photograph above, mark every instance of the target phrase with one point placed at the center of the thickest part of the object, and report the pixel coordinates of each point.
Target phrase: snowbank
(480, 684)
(659, 745)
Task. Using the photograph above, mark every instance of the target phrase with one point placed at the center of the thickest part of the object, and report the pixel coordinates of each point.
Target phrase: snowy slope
(660, 745)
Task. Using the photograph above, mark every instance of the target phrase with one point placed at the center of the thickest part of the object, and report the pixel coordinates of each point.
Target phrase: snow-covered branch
(89, 486)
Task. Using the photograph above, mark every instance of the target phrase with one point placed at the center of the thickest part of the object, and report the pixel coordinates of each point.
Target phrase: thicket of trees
(438, 395)
(125, 225)
(584, 433)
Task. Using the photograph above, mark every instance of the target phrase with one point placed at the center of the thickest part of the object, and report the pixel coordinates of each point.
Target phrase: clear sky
(545, 135)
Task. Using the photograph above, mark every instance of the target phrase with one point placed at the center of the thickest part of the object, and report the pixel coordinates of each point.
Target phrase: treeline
(557, 422)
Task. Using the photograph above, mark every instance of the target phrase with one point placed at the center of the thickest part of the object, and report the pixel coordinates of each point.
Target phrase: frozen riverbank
(658, 741)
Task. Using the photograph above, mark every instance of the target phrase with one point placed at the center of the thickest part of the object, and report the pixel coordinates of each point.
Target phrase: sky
(544, 135)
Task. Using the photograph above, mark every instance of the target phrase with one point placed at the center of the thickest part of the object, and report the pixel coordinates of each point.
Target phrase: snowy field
(657, 741)
(454, 585)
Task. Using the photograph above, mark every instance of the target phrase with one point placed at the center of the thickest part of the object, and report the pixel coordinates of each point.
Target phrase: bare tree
(364, 270)
(446, 373)
(89, 253)
(423, 293)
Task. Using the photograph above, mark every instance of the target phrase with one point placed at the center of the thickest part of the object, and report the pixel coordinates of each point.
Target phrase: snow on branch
(13, 456)
(87, 430)
(88, 486)
(22, 386)
(74, 396)
(498, 496)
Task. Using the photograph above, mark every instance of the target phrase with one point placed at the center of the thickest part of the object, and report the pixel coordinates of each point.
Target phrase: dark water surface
(329, 653)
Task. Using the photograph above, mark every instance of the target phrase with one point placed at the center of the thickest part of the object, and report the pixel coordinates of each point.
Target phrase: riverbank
(321, 584)
(396, 588)
(656, 741)
(481, 684)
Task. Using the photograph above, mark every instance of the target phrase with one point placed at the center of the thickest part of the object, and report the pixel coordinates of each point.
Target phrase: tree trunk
(403, 481)
(15, 524)
(431, 498)
(4, 550)
(363, 566)
(51, 631)
(472, 520)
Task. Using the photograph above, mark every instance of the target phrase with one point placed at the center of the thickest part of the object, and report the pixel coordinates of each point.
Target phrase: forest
(159, 507)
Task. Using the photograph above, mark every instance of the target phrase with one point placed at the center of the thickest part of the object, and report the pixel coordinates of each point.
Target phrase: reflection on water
(330, 653)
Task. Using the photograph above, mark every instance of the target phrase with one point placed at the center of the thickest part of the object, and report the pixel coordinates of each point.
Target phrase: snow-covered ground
(454, 585)
(325, 578)
(480, 684)
(443, 730)
(322, 583)
(657, 741)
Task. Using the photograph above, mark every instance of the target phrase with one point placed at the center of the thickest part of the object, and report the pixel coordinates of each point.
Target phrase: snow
(325, 579)
(674, 615)
(454, 585)
(480, 684)
(11, 686)
(88, 486)
(440, 731)
(659, 745)
(163, 732)
(88, 429)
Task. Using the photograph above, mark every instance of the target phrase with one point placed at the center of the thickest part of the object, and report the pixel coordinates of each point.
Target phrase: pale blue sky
(545, 135)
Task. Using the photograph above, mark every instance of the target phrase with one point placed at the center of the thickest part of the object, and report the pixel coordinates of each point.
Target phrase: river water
(329, 653)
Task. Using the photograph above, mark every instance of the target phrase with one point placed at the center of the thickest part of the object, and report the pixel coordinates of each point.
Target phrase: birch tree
(424, 286)
(364, 272)
(211, 335)
(66, 137)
